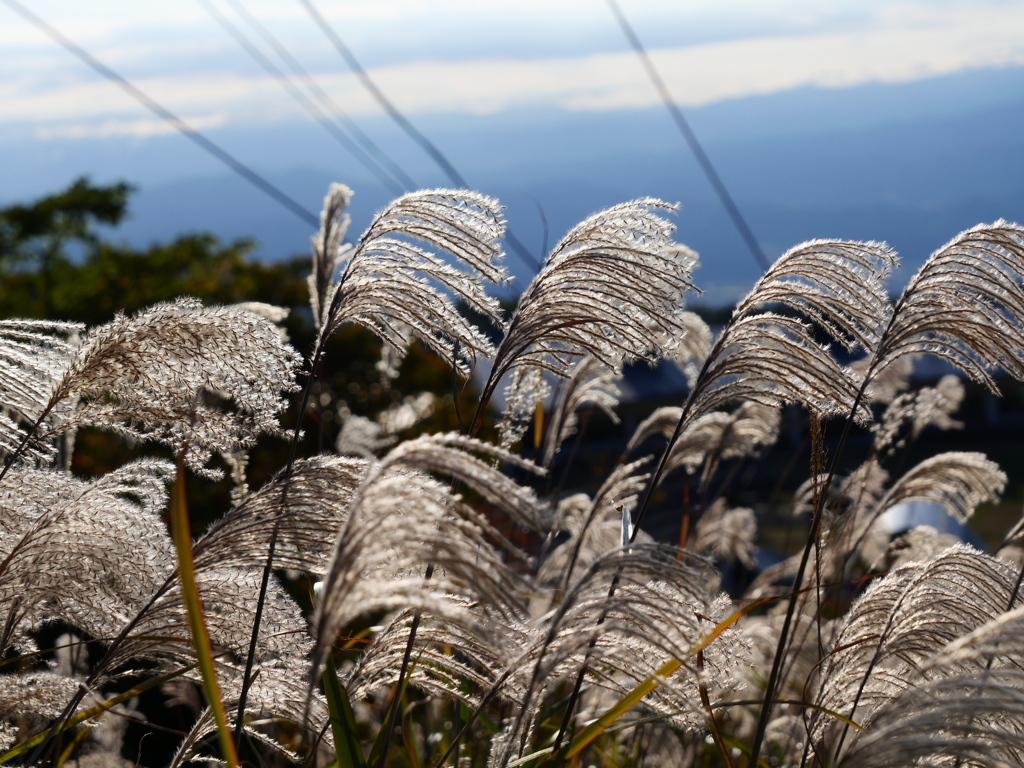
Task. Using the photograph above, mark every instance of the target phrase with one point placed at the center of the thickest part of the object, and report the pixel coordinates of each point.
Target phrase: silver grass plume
(158, 375)
(590, 385)
(898, 623)
(727, 533)
(451, 653)
(694, 346)
(329, 253)
(527, 389)
(160, 632)
(920, 544)
(624, 636)
(33, 356)
(401, 519)
(770, 358)
(204, 727)
(307, 517)
(928, 406)
(612, 288)
(87, 553)
(398, 289)
(885, 385)
(31, 699)
(360, 436)
(711, 438)
(594, 525)
(966, 701)
(958, 481)
(971, 720)
(965, 305)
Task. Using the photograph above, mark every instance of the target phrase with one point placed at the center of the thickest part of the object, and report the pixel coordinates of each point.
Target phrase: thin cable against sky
(698, 151)
(304, 101)
(426, 144)
(322, 96)
(223, 156)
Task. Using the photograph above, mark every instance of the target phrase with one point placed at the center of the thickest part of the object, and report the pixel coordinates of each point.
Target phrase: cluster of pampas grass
(436, 636)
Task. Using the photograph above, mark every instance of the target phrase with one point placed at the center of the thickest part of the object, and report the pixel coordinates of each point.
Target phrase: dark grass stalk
(25, 440)
(644, 504)
(392, 715)
(268, 567)
(812, 535)
(712, 720)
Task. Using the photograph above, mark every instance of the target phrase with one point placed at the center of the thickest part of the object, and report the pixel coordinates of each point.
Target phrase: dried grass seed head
(398, 289)
(33, 357)
(158, 375)
(612, 288)
(965, 305)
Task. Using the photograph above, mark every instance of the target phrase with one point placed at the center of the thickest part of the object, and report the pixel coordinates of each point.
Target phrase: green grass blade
(343, 721)
(197, 624)
(92, 712)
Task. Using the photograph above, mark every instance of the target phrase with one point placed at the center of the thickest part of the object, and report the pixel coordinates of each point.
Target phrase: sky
(547, 77)
(478, 58)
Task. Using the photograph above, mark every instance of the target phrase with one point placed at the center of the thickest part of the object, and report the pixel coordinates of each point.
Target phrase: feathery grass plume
(840, 284)
(980, 711)
(31, 698)
(694, 346)
(33, 356)
(140, 376)
(965, 305)
(205, 726)
(413, 409)
(590, 385)
(770, 358)
(967, 721)
(727, 534)
(662, 421)
(957, 480)
(320, 490)
(594, 526)
(454, 658)
(920, 544)
(398, 289)
(527, 389)
(328, 251)
(160, 632)
(885, 385)
(612, 288)
(89, 554)
(716, 437)
(623, 636)
(360, 436)
(928, 406)
(897, 624)
(401, 519)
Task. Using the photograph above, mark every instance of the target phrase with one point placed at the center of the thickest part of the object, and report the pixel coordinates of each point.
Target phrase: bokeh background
(898, 121)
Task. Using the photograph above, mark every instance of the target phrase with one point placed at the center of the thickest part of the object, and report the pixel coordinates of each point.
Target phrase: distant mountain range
(910, 164)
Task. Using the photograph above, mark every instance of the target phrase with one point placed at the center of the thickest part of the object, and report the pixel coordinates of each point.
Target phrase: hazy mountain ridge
(911, 164)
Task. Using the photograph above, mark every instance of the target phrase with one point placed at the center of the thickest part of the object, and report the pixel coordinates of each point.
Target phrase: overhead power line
(329, 104)
(426, 144)
(223, 156)
(691, 138)
(300, 96)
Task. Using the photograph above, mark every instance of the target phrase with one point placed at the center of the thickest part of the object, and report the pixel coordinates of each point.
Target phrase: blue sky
(475, 57)
(538, 101)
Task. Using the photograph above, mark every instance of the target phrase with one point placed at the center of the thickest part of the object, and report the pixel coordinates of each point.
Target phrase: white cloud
(886, 43)
(136, 129)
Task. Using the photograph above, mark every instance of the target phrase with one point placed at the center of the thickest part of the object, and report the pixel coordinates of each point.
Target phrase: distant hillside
(911, 164)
